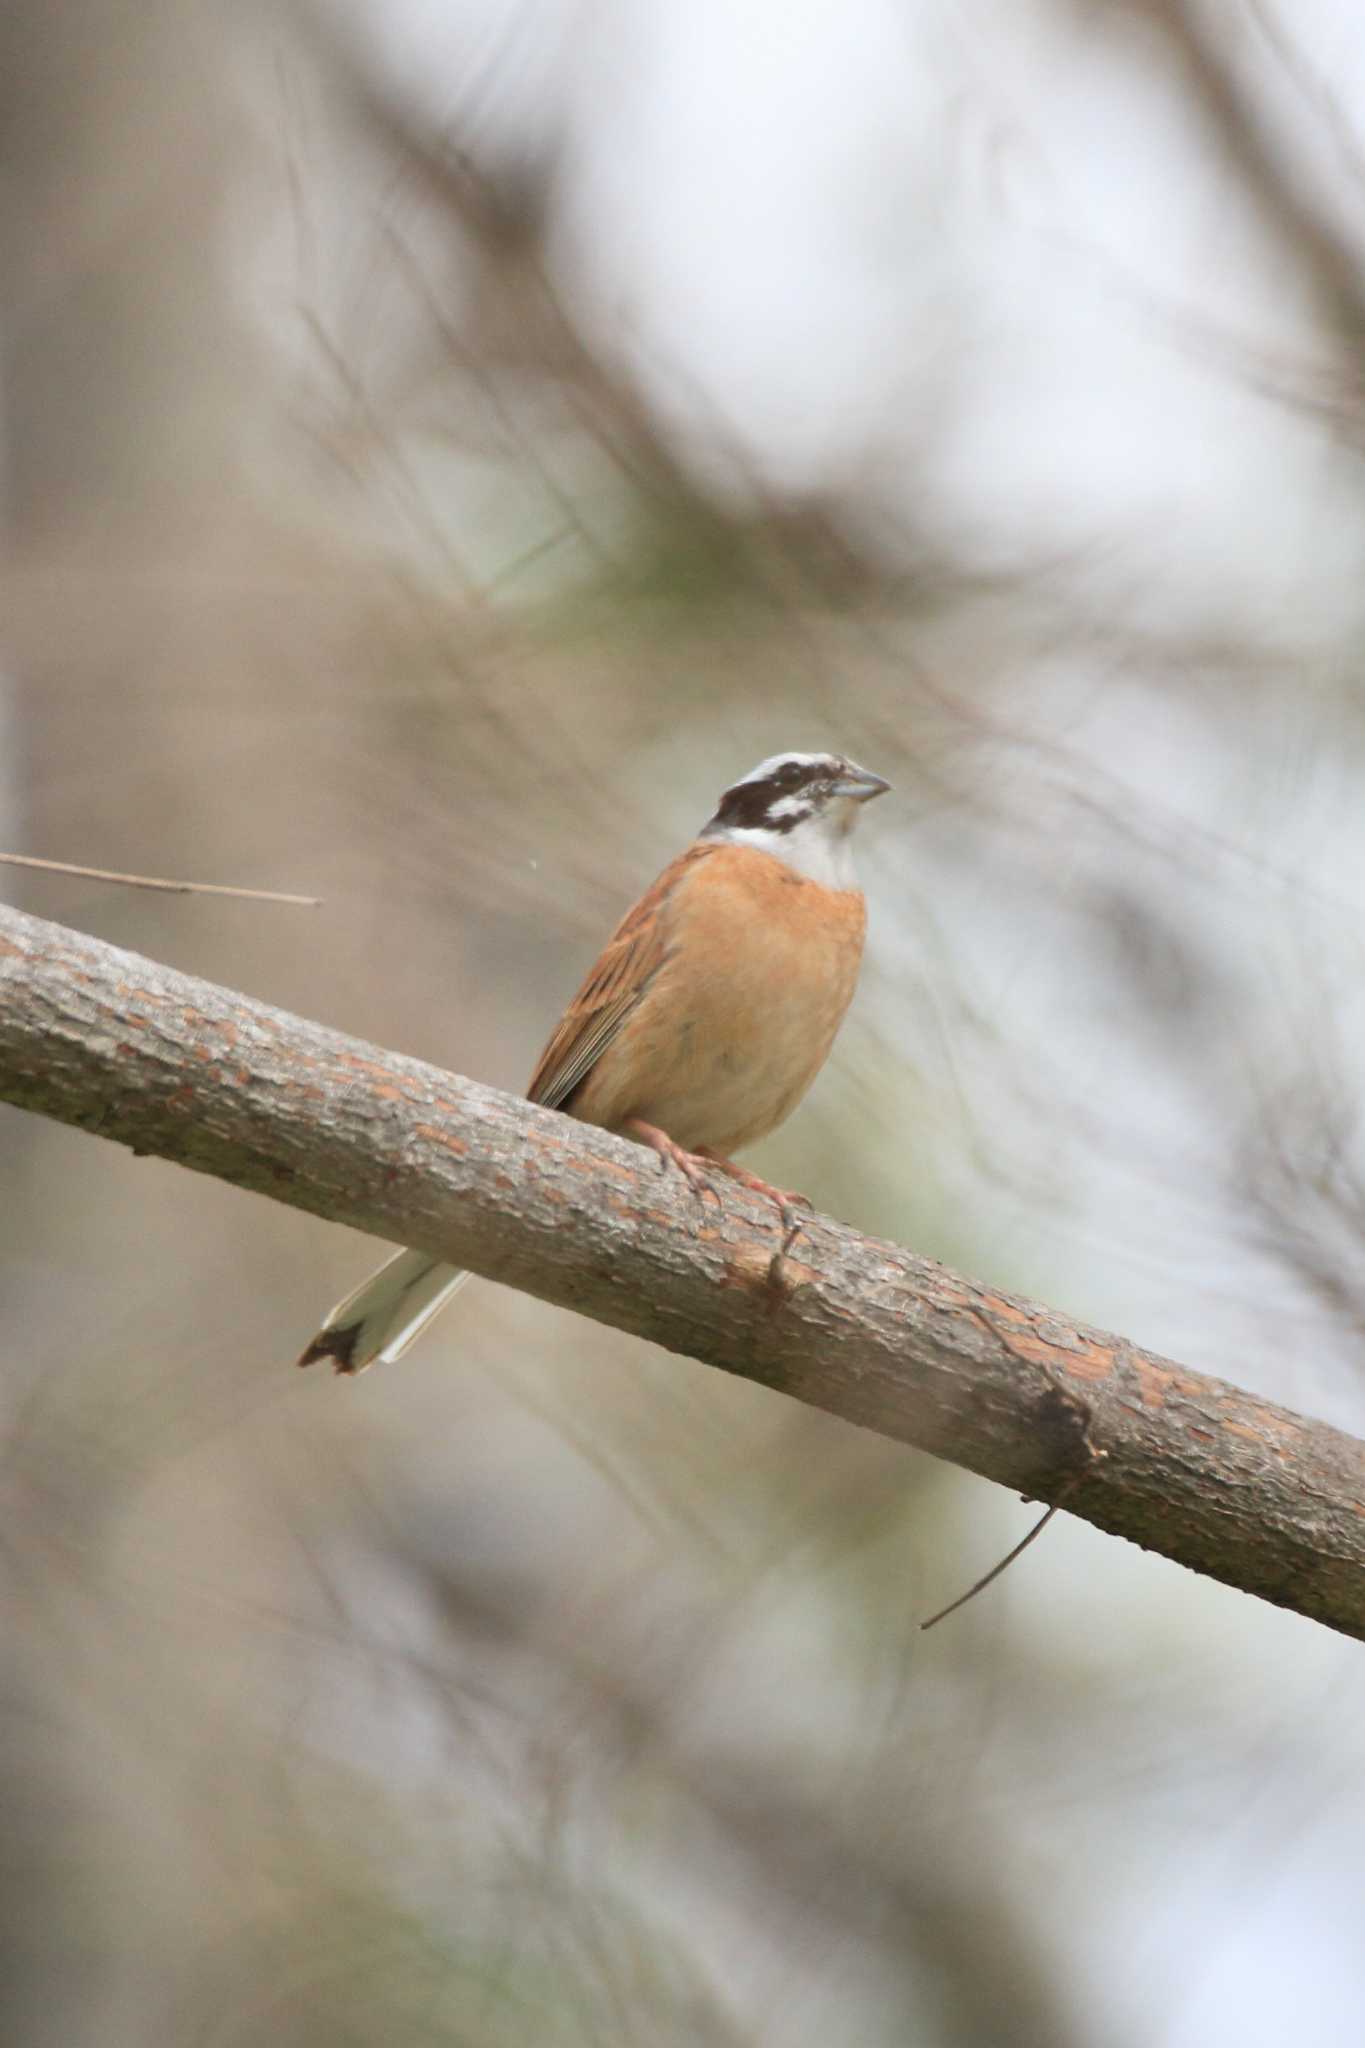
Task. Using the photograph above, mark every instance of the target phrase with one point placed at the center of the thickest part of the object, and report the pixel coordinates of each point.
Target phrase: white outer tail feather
(388, 1312)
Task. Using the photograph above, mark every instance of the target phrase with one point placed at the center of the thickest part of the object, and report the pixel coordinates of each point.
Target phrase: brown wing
(627, 964)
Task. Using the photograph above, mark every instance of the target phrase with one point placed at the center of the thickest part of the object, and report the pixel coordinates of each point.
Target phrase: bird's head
(800, 808)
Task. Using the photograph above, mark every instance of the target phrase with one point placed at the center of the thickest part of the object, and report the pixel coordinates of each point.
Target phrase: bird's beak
(860, 784)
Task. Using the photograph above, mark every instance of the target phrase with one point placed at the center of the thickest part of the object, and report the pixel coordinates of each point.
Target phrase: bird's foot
(690, 1165)
(787, 1202)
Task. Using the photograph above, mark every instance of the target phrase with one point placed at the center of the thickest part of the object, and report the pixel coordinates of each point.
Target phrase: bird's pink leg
(689, 1164)
(787, 1202)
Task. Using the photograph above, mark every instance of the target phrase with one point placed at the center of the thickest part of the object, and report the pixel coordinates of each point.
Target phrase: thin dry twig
(66, 867)
(994, 1573)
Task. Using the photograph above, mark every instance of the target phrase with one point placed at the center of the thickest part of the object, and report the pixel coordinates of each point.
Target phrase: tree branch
(1189, 1466)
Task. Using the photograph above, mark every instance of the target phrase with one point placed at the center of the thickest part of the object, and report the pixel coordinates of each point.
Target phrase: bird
(709, 1012)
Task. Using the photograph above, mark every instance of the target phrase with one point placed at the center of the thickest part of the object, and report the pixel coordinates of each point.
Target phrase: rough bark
(1146, 1448)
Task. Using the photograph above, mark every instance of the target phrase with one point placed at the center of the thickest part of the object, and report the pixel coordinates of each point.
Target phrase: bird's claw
(691, 1165)
(786, 1200)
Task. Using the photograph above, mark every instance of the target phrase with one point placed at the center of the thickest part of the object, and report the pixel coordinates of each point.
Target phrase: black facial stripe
(758, 815)
(750, 808)
(749, 805)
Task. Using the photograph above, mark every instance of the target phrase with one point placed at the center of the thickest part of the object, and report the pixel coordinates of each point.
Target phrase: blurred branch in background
(165, 1063)
(1274, 167)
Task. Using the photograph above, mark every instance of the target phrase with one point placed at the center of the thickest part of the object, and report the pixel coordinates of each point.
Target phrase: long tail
(386, 1312)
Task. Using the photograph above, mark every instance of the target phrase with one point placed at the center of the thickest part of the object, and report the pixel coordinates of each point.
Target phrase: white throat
(820, 848)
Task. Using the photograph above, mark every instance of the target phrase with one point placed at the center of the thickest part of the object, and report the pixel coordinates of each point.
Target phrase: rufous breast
(756, 967)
